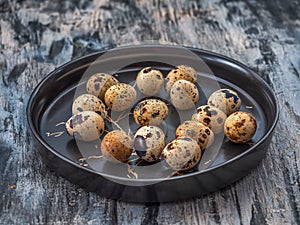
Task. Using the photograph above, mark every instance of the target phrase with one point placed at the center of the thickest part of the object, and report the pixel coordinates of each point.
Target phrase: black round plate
(51, 102)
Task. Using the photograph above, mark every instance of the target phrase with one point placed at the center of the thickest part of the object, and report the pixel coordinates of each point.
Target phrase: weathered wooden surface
(36, 37)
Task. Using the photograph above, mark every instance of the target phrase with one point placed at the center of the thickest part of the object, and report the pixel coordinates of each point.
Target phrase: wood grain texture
(36, 37)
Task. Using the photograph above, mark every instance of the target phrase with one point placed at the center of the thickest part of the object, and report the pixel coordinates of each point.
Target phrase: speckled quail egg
(120, 96)
(85, 126)
(240, 127)
(116, 146)
(197, 131)
(150, 112)
(99, 83)
(182, 153)
(210, 116)
(149, 81)
(88, 102)
(149, 141)
(181, 72)
(225, 99)
(184, 95)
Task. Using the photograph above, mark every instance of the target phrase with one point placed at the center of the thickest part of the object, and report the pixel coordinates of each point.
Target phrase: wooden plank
(37, 37)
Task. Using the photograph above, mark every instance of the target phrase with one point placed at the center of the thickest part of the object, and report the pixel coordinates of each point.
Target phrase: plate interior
(58, 110)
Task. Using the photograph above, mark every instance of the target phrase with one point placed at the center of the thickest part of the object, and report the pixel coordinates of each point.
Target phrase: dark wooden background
(36, 37)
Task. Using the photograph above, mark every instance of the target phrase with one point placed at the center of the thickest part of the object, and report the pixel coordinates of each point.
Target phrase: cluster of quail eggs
(239, 126)
(105, 92)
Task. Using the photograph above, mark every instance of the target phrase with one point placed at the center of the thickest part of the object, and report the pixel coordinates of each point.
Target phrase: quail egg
(88, 102)
(150, 112)
(149, 81)
(182, 153)
(184, 95)
(99, 83)
(210, 116)
(116, 146)
(120, 96)
(240, 127)
(149, 141)
(85, 126)
(182, 72)
(197, 131)
(225, 99)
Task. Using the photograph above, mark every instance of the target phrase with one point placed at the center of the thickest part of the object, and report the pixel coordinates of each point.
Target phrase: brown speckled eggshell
(120, 96)
(197, 131)
(150, 112)
(85, 126)
(182, 72)
(88, 102)
(182, 153)
(116, 146)
(210, 116)
(149, 81)
(99, 83)
(149, 141)
(240, 127)
(225, 99)
(184, 95)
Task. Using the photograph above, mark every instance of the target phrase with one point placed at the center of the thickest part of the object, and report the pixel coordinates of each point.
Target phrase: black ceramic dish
(50, 103)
